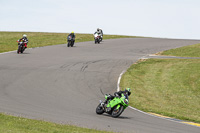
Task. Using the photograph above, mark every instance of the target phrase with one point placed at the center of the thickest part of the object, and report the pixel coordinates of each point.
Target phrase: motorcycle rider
(24, 39)
(99, 32)
(72, 36)
(126, 92)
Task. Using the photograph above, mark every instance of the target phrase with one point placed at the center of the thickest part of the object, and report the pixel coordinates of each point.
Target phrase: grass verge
(187, 51)
(11, 124)
(8, 40)
(170, 87)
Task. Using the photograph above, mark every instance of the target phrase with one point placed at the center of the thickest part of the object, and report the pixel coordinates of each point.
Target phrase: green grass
(8, 40)
(11, 124)
(170, 87)
(187, 51)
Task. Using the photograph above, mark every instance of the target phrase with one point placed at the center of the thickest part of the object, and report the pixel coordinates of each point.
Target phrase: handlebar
(23, 42)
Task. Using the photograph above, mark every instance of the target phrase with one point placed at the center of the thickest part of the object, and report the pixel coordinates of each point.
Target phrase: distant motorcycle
(70, 41)
(117, 105)
(21, 47)
(97, 38)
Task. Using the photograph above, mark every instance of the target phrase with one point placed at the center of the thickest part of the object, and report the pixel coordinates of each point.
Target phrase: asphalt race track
(64, 85)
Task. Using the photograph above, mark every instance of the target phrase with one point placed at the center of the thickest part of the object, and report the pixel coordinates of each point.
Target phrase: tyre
(22, 49)
(18, 49)
(68, 44)
(95, 41)
(99, 110)
(72, 44)
(117, 112)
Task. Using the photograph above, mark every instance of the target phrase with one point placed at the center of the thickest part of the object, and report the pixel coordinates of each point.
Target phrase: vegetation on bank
(11, 124)
(8, 40)
(187, 51)
(170, 87)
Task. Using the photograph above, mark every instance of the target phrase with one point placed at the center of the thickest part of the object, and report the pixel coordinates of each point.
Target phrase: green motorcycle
(114, 106)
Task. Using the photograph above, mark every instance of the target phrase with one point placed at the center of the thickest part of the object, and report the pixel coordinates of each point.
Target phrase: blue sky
(153, 18)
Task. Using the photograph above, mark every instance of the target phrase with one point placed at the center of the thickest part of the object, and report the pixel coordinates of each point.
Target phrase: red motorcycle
(21, 46)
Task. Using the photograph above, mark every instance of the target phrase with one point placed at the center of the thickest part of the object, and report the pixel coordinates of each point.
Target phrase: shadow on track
(120, 117)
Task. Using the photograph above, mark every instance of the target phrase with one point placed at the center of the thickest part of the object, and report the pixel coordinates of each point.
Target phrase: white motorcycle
(97, 38)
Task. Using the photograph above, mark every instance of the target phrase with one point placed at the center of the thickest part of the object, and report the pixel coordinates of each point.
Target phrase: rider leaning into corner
(126, 92)
(24, 39)
(73, 36)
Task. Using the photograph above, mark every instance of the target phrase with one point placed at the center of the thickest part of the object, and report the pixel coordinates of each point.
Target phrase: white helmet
(24, 35)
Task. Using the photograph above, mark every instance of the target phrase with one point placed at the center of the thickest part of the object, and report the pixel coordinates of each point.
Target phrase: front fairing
(21, 44)
(122, 101)
(69, 39)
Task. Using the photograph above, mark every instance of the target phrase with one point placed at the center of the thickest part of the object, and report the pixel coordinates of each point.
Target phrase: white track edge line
(118, 89)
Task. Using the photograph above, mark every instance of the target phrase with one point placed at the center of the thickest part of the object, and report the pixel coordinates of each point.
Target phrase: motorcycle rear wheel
(72, 44)
(117, 112)
(99, 110)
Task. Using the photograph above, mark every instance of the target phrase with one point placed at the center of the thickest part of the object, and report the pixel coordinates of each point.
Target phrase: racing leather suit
(24, 39)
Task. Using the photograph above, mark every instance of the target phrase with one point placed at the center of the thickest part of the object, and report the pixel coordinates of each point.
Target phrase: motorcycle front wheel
(18, 49)
(117, 112)
(99, 110)
(22, 49)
